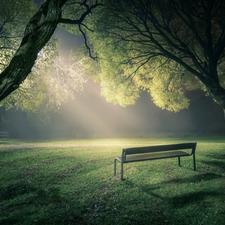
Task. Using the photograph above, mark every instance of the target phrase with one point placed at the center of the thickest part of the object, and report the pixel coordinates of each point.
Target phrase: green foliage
(52, 80)
(123, 73)
(150, 45)
(32, 92)
(14, 15)
(123, 77)
(73, 183)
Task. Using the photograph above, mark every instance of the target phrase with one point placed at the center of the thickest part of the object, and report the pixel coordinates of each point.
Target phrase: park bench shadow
(216, 156)
(192, 179)
(187, 199)
(219, 164)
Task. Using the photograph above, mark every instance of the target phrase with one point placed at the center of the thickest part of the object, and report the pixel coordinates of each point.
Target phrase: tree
(45, 88)
(13, 15)
(163, 46)
(38, 32)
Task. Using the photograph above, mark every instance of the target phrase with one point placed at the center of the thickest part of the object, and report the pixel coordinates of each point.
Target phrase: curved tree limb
(37, 33)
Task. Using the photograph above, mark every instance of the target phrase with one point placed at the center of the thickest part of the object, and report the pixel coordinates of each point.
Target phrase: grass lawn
(75, 185)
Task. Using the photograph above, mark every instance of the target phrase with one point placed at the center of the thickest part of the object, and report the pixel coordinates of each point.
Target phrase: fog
(90, 116)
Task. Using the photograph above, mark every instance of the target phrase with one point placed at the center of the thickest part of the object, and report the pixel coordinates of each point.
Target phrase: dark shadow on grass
(187, 199)
(216, 156)
(148, 188)
(35, 205)
(219, 164)
(15, 190)
(192, 198)
(194, 179)
(21, 189)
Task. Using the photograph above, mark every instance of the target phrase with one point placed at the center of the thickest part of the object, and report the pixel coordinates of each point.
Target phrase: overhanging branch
(79, 21)
(85, 42)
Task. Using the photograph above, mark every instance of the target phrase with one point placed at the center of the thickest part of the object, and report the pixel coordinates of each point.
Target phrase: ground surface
(72, 182)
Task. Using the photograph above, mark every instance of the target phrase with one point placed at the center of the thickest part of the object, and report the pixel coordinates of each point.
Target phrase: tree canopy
(164, 47)
(51, 80)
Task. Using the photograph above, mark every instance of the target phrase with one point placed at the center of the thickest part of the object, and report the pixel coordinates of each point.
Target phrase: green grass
(75, 185)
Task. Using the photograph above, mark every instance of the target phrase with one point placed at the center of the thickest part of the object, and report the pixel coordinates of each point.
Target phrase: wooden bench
(4, 134)
(139, 154)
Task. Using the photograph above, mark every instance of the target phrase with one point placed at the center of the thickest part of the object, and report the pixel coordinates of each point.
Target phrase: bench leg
(121, 170)
(178, 161)
(114, 167)
(194, 162)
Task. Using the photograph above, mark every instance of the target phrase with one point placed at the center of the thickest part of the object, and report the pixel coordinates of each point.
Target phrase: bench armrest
(193, 148)
(123, 157)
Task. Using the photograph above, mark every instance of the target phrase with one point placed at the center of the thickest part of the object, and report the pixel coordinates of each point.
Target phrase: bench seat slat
(151, 156)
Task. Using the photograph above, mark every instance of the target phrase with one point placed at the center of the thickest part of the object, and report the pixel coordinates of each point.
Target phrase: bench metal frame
(139, 154)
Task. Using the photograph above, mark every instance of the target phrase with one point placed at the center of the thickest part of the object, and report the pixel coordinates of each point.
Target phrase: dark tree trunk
(214, 89)
(38, 32)
(218, 94)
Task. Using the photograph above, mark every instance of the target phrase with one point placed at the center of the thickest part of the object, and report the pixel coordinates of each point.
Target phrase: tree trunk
(38, 32)
(217, 93)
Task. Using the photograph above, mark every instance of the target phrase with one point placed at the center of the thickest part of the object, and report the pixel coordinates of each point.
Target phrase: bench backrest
(158, 148)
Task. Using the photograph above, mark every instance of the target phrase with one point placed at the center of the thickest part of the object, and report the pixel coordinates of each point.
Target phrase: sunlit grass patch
(75, 185)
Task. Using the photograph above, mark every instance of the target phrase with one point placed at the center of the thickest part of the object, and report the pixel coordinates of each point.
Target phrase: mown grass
(75, 185)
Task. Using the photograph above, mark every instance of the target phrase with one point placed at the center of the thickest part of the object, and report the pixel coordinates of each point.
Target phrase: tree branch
(35, 38)
(85, 41)
(79, 21)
